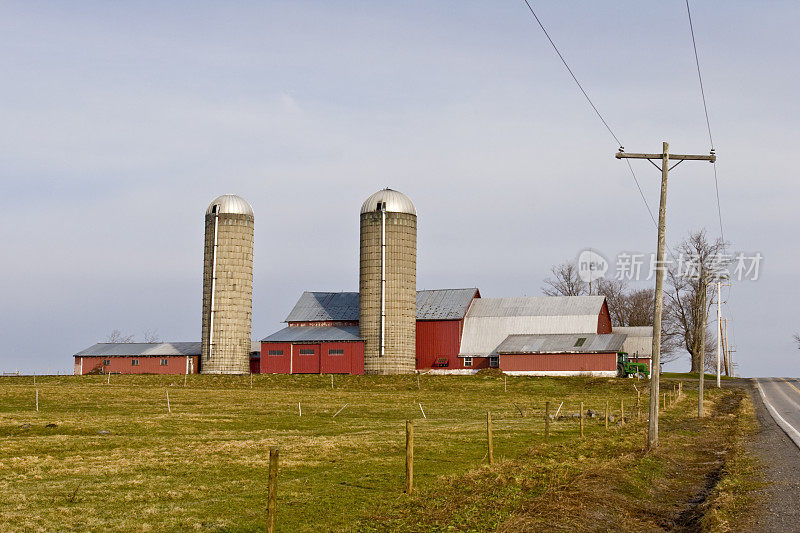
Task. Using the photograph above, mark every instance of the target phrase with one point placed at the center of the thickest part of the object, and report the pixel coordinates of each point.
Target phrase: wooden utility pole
(719, 334)
(655, 366)
(704, 320)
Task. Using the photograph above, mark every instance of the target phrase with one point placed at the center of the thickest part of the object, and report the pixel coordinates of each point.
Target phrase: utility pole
(702, 343)
(719, 334)
(655, 365)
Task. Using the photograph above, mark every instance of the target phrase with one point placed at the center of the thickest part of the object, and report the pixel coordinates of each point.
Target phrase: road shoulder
(780, 461)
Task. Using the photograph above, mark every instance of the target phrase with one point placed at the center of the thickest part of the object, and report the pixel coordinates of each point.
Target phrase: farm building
(457, 331)
(138, 358)
(146, 358)
(322, 335)
(638, 343)
(490, 322)
(561, 354)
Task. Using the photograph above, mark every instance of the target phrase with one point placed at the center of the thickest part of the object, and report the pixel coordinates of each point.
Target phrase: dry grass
(116, 460)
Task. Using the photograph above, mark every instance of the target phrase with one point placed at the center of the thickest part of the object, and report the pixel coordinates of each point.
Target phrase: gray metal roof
(231, 203)
(490, 320)
(141, 349)
(335, 306)
(439, 304)
(537, 306)
(639, 342)
(395, 202)
(444, 304)
(533, 344)
(314, 334)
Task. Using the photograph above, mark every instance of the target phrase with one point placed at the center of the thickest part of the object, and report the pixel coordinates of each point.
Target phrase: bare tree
(797, 340)
(151, 335)
(698, 261)
(117, 336)
(565, 281)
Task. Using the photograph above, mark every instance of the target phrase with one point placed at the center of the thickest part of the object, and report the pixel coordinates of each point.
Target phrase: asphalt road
(781, 396)
(778, 446)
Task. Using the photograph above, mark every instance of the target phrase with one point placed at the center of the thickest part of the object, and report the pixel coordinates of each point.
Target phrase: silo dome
(393, 202)
(231, 204)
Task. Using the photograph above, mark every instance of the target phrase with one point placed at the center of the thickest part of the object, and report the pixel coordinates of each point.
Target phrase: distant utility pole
(655, 365)
(719, 334)
(703, 310)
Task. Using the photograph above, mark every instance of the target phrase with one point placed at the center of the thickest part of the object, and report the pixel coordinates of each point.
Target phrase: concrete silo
(388, 283)
(227, 286)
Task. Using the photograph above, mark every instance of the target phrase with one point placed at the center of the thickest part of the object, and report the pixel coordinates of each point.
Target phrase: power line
(708, 122)
(594, 107)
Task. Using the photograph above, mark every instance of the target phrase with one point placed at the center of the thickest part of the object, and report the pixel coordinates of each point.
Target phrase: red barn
(138, 358)
(561, 354)
(440, 324)
(322, 334)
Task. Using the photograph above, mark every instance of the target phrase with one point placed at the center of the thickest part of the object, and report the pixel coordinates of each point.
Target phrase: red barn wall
(176, 364)
(255, 365)
(320, 362)
(604, 320)
(587, 362)
(438, 338)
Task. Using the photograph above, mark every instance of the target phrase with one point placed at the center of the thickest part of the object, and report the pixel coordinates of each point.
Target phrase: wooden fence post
(606, 414)
(638, 406)
(581, 417)
(546, 421)
(168, 407)
(273, 488)
(409, 456)
(622, 411)
(489, 436)
(37, 399)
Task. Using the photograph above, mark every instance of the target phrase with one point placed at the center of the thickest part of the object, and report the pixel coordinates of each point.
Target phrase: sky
(121, 121)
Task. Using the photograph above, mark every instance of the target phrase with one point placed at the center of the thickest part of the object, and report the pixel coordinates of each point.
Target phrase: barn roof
(490, 320)
(314, 334)
(439, 304)
(323, 306)
(562, 343)
(444, 304)
(639, 342)
(141, 349)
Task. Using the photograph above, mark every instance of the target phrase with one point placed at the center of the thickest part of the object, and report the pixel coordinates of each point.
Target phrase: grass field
(100, 456)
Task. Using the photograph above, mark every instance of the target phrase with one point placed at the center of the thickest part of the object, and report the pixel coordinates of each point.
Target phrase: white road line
(790, 430)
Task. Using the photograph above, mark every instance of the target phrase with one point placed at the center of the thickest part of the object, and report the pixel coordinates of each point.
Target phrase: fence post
(409, 456)
(546, 421)
(606, 414)
(168, 407)
(581, 419)
(489, 436)
(638, 406)
(622, 411)
(37, 399)
(273, 488)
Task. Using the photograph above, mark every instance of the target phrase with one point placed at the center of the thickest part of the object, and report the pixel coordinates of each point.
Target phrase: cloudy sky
(120, 122)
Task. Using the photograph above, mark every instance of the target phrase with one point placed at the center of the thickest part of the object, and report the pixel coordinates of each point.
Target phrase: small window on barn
(306, 352)
(107, 362)
(134, 362)
(580, 342)
(164, 362)
(274, 352)
(335, 352)
(494, 361)
(468, 361)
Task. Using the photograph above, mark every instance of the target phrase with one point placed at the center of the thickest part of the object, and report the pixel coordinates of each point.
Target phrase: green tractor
(625, 368)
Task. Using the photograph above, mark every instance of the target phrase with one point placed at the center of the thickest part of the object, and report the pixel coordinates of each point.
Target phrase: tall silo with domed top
(227, 286)
(388, 283)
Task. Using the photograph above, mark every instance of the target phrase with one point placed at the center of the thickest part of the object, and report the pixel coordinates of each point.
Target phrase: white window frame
(164, 362)
(134, 362)
(494, 361)
(468, 361)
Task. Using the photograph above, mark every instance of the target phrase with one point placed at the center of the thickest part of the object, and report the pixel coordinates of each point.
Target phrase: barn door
(306, 359)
